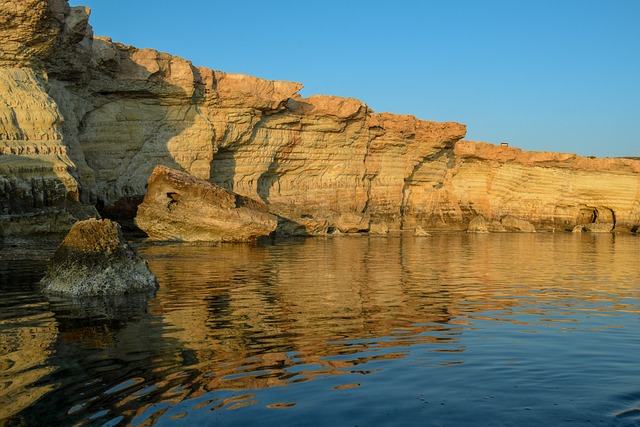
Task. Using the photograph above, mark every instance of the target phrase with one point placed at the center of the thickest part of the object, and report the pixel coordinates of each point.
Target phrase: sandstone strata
(506, 186)
(181, 207)
(94, 259)
(84, 121)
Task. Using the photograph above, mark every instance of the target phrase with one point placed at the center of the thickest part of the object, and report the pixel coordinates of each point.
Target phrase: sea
(452, 329)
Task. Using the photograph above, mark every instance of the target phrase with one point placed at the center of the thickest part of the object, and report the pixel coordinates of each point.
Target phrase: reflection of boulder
(25, 347)
(121, 308)
(181, 207)
(94, 259)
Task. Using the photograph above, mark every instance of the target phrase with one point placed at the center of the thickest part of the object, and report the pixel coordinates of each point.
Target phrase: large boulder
(181, 207)
(94, 259)
(511, 223)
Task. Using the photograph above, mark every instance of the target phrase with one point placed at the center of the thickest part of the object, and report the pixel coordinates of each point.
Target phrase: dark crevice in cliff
(446, 152)
(266, 180)
(367, 178)
(367, 182)
(116, 94)
(222, 169)
(613, 216)
(199, 90)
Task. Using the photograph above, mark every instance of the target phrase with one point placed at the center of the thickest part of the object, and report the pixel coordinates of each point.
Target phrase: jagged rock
(477, 225)
(94, 259)
(511, 223)
(378, 228)
(421, 232)
(181, 207)
(28, 30)
(595, 227)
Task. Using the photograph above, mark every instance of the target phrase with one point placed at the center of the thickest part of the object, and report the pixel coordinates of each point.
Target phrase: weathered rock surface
(94, 259)
(477, 225)
(84, 121)
(180, 207)
(551, 191)
(38, 192)
(596, 227)
(511, 223)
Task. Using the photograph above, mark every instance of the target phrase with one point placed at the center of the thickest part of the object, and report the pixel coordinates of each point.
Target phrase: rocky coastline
(84, 121)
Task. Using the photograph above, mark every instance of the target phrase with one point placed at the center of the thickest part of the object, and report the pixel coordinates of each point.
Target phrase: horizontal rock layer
(552, 191)
(84, 121)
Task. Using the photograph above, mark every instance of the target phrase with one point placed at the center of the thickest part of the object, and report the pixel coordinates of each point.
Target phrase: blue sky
(545, 75)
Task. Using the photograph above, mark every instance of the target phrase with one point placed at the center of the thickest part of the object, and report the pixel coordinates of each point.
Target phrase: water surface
(455, 330)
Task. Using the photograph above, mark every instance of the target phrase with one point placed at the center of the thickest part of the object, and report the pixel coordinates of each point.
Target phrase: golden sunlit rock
(181, 207)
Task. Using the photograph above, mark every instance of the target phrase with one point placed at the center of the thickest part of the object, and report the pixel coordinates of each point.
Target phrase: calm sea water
(447, 330)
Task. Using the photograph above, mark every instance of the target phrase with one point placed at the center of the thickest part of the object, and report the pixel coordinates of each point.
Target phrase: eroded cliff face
(43, 176)
(552, 191)
(84, 121)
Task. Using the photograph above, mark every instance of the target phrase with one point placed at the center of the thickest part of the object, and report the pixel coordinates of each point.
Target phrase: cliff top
(503, 154)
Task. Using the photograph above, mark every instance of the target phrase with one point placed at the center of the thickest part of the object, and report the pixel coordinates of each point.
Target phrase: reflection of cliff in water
(26, 336)
(99, 342)
(299, 298)
(266, 309)
(247, 317)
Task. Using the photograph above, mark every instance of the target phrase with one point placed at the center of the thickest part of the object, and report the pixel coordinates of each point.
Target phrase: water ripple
(453, 329)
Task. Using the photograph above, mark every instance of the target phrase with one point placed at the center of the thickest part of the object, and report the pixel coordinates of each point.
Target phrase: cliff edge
(85, 120)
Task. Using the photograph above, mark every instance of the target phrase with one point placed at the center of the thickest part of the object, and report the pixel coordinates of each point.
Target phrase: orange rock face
(552, 191)
(322, 164)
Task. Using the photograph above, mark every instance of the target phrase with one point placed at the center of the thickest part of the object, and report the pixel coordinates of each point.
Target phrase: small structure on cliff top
(94, 259)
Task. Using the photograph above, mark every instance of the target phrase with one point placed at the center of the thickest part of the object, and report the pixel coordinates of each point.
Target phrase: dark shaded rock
(94, 259)
(123, 211)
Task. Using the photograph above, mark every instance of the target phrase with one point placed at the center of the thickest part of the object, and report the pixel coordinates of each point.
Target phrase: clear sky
(548, 75)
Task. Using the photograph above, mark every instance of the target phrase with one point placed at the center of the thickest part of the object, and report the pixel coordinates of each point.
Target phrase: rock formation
(509, 188)
(181, 207)
(84, 121)
(94, 259)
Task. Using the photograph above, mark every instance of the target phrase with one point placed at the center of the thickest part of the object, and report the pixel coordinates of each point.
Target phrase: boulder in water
(94, 259)
(180, 207)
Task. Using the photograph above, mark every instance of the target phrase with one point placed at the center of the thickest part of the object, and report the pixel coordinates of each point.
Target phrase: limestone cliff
(553, 191)
(84, 121)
